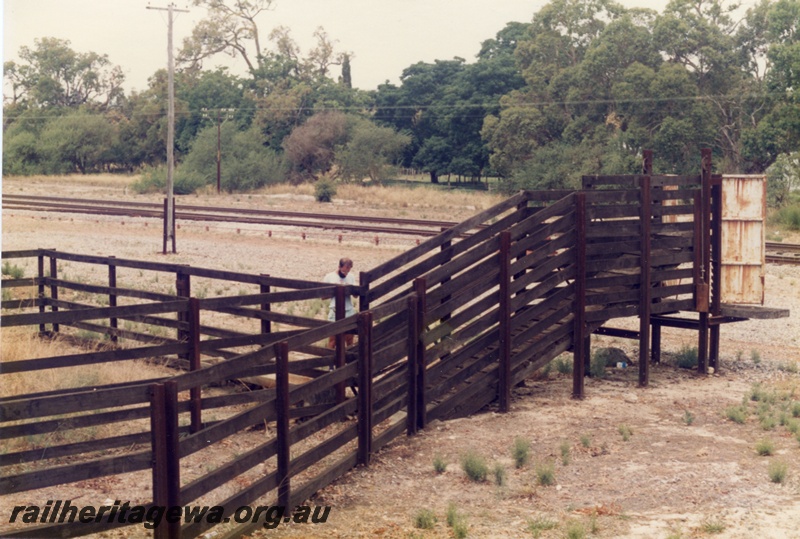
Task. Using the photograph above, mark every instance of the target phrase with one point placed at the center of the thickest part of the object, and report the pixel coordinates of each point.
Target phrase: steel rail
(153, 210)
(217, 209)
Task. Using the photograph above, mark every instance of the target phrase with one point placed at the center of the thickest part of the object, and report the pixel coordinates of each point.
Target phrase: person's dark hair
(345, 262)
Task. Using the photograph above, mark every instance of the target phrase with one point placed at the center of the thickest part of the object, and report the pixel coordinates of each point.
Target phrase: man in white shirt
(341, 276)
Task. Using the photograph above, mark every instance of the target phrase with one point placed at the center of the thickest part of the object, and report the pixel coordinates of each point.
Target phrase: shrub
(626, 432)
(324, 190)
(565, 453)
(475, 467)
(687, 357)
(424, 519)
(499, 475)
(439, 464)
(563, 365)
(546, 474)
(713, 526)
(15, 272)
(765, 447)
(777, 471)
(688, 417)
(755, 356)
(597, 366)
(586, 440)
(737, 414)
(539, 524)
(521, 452)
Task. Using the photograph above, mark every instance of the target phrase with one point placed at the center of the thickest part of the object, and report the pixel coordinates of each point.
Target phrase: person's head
(345, 265)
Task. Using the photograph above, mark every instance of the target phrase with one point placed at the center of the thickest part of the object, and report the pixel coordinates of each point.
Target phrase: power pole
(228, 116)
(169, 210)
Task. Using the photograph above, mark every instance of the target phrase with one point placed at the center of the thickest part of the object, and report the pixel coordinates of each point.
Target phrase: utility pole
(169, 210)
(228, 116)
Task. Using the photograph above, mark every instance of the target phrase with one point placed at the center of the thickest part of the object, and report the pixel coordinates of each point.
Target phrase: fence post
(183, 288)
(282, 420)
(702, 344)
(645, 214)
(195, 393)
(413, 340)
(340, 351)
(364, 387)
(504, 379)
(54, 289)
(40, 268)
(363, 297)
(166, 456)
(266, 325)
(579, 332)
(716, 266)
(420, 288)
(112, 297)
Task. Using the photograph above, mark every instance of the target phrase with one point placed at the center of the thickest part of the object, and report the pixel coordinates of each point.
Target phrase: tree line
(580, 89)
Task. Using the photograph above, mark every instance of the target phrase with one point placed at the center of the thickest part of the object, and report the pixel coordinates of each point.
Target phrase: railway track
(354, 223)
(776, 253)
(783, 253)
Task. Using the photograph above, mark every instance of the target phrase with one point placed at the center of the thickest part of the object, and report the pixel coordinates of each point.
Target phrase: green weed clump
(565, 448)
(563, 365)
(499, 475)
(597, 366)
(687, 357)
(626, 432)
(737, 414)
(765, 447)
(541, 523)
(521, 452)
(457, 521)
(777, 471)
(13, 271)
(439, 464)
(713, 527)
(475, 467)
(688, 417)
(424, 519)
(546, 474)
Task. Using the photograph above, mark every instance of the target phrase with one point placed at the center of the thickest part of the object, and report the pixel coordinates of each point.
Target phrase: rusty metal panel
(744, 209)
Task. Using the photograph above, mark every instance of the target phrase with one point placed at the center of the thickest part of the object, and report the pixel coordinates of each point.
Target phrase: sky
(384, 36)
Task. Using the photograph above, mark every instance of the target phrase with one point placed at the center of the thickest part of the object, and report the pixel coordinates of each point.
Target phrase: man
(341, 276)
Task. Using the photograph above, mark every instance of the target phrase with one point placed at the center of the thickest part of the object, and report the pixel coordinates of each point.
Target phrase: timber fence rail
(444, 330)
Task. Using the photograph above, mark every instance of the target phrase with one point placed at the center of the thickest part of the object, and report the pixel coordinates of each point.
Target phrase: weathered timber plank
(526, 315)
(447, 236)
(228, 471)
(529, 295)
(459, 284)
(543, 271)
(620, 180)
(60, 475)
(560, 315)
(315, 454)
(74, 422)
(612, 212)
(756, 312)
(25, 408)
(660, 180)
(626, 296)
(470, 294)
(613, 312)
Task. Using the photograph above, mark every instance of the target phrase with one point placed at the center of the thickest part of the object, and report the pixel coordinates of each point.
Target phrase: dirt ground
(685, 470)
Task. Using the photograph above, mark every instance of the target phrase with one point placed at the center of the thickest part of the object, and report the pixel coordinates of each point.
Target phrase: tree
(52, 75)
(310, 148)
(78, 141)
(370, 151)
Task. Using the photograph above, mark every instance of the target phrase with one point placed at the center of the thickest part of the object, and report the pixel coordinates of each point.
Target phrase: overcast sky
(385, 36)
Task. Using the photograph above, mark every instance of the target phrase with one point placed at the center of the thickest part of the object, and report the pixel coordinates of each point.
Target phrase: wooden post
(166, 454)
(158, 443)
(173, 455)
(363, 297)
(54, 289)
(579, 331)
(702, 340)
(580, 355)
(195, 393)
(716, 266)
(183, 288)
(266, 325)
(420, 288)
(40, 292)
(504, 315)
(364, 387)
(282, 421)
(656, 346)
(340, 355)
(413, 341)
(112, 297)
(645, 214)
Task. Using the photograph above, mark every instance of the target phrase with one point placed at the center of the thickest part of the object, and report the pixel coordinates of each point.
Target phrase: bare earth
(670, 479)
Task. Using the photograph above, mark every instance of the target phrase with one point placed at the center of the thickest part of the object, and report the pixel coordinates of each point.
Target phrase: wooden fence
(444, 329)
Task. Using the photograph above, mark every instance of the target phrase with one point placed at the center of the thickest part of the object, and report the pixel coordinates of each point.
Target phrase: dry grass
(19, 344)
(94, 180)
